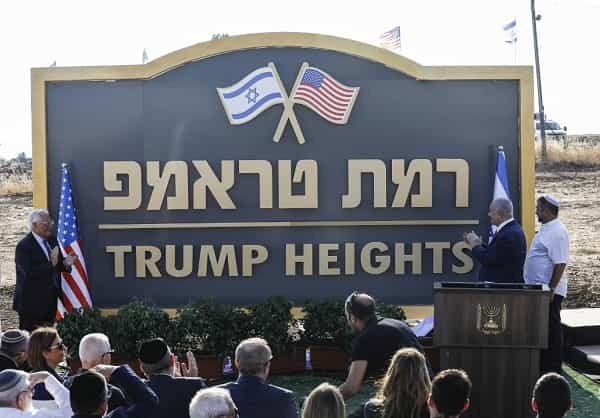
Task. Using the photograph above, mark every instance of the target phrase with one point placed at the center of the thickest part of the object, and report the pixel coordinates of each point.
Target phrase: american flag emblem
(325, 95)
(391, 39)
(75, 285)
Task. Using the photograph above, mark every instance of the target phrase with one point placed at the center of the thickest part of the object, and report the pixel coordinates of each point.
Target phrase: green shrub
(78, 323)
(212, 328)
(134, 323)
(390, 311)
(273, 321)
(325, 324)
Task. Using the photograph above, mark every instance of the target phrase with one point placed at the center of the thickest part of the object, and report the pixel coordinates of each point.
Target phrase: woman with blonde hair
(325, 401)
(404, 389)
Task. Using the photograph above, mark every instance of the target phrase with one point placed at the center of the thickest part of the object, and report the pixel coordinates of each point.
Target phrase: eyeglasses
(48, 222)
(59, 345)
(108, 352)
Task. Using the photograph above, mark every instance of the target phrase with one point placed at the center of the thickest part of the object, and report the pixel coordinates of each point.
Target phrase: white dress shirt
(550, 246)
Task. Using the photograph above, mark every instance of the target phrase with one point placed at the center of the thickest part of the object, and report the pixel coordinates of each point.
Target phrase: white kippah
(552, 200)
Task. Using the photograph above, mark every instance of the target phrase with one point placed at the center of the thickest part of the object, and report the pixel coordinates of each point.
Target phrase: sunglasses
(59, 345)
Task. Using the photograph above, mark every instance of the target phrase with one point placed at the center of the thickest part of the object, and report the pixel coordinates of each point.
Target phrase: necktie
(48, 249)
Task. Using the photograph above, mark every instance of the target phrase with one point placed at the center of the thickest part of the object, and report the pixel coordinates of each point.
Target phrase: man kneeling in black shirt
(377, 341)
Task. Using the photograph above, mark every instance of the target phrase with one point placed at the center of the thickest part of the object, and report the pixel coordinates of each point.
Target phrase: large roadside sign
(294, 164)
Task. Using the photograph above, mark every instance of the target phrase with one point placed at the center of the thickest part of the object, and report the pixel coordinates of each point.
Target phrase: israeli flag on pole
(500, 183)
(510, 29)
(249, 97)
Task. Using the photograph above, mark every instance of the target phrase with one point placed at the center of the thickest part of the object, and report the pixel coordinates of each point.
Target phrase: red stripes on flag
(391, 39)
(331, 99)
(75, 285)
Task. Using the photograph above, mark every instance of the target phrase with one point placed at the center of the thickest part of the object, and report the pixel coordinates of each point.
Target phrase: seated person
(13, 349)
(404, 390)
(551, 396)
(252, 395)
(16, 400)
(174, 392)
(450, 393)
(94, 349)
(89, 393)
(213, 403)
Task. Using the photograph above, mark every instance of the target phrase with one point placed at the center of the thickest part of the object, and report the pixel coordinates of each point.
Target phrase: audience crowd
(31, 386)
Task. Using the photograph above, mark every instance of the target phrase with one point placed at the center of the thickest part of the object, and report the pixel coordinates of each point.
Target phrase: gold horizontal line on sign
(289, 224)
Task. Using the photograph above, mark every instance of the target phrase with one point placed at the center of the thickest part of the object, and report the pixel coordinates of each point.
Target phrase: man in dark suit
(503, 258)
(251, 394)
(39, 264)
(174, 392)
(89, 394)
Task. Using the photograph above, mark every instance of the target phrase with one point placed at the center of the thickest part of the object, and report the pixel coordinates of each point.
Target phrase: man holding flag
(39, 264)
(502, 259)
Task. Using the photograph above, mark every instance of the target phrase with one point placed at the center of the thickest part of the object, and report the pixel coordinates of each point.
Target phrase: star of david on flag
(75, 287)
(252, 95)
(262, 88)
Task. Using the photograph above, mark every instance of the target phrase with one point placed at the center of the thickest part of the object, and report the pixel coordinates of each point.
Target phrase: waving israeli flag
(500, 184)
(249, 97)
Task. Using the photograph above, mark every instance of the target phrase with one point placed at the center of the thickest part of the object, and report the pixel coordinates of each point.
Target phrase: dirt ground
(578, 191)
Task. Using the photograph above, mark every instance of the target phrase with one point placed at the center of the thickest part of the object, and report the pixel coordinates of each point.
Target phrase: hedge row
(208, 327)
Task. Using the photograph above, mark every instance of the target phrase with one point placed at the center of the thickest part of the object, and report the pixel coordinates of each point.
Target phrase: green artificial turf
(585, 394)
(302, 384)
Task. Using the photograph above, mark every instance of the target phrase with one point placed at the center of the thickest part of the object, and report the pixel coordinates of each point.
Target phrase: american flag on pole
(75, 285)
(323, 94)
(391, 39)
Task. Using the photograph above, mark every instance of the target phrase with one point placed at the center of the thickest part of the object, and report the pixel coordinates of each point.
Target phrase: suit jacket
(503, 258)
(256, 399)
(174, 395)
(116, 399)
(7, 363)
(38, 282)
(143, 399)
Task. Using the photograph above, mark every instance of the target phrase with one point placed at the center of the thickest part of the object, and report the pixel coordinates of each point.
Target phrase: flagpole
(539, 82)
(288, 107)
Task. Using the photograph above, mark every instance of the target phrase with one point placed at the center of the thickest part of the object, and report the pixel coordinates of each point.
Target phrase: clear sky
(434, 32)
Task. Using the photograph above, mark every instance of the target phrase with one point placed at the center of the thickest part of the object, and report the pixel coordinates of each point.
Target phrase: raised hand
(191, 369)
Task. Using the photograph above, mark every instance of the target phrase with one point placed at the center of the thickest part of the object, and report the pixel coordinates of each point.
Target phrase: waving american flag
(391, 39)
(325, 95)
(75, 285)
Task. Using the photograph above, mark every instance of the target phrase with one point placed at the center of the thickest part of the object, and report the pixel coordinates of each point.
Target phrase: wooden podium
(495, 333)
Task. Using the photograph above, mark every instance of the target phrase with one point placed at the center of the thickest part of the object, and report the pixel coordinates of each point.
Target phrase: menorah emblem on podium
(491, 319)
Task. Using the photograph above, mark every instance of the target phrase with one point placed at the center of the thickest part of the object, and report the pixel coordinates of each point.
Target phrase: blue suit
(256, 399)
(502, 259)
(174, 395)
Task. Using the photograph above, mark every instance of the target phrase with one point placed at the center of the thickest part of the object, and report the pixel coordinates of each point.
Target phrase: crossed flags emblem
(263, 88)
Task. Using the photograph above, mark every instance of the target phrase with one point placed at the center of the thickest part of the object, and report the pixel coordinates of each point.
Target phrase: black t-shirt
(378, 342)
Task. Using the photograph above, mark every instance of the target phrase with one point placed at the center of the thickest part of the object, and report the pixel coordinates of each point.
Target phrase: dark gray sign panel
(182, 192)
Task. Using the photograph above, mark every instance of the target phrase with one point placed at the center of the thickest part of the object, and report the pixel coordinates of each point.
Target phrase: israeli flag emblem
(253, 94)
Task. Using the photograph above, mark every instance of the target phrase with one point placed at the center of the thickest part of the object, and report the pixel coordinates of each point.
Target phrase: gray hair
(21, 383)
(92, 347)
(252, 355)
(212, 403)
(36, 215)
(504, 207)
